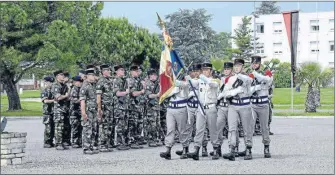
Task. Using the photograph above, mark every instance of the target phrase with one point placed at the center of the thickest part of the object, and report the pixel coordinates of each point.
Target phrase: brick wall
(13, 148)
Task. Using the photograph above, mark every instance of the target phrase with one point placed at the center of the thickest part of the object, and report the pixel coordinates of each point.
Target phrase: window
(277, 27)
(277, 48)
(331, 46)
(314, 25)
(313, 45)
(260, 28)
(331, 23)
(260, 48)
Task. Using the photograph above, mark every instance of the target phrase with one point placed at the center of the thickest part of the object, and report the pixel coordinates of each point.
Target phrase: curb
(303, 117)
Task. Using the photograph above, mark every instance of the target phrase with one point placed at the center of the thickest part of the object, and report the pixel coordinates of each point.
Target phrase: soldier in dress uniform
(105, 108)
(208, 91)
(48, 113)
(90, 119)
(237, 91)
(75, 113)
(260, 100)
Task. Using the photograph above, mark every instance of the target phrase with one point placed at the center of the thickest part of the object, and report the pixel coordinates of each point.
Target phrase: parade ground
(299, 146)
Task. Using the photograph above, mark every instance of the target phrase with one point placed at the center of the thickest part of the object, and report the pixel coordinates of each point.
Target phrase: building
(315, 37)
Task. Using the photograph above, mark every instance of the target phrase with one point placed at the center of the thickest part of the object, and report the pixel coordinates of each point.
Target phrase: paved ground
(298, 146)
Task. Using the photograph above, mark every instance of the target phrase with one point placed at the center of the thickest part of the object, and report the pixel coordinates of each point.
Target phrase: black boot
(270, 133)
(267, 151)
(204, 152)
(236, 151)
(248, 154)
(195, 154)
(215, 153)
(184, 153)
(166, 154)
(231, 154)
(180, 152)
(218, 151)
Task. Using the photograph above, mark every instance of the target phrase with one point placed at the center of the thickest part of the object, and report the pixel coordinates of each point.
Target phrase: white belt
(209, 106)
(260, 100)
(177, 105)
(242, 101)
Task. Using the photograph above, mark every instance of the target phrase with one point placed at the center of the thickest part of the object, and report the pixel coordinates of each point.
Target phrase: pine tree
(268, 7)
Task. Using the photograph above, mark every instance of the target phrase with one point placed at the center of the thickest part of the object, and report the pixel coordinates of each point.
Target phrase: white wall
(325, 56)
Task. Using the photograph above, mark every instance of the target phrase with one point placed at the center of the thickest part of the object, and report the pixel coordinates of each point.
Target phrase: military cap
(238, 61)
(134, 67)
(117, 67)
(151, 71)
(82, 72)
(66, 74)
(90, 71)
(206, 65)
(256, 59)
(191, 68)
(77, 78)
(228, 65)
(197, 67)
(104, 66)
(58, 72)
(49, 79)
(90, 66)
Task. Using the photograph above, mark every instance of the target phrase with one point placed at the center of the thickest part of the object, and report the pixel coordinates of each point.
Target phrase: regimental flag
(291, 20)
(170, 65)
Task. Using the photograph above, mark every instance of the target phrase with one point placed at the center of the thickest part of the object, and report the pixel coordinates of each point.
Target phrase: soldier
(163, 128)
(177, 114)
(48, 114)
(236, 90)
(260, 100)
(137, 101)
(67, 125)
(270, 106)
(192, 106)
(208, 91)
(60, 109)
(75, 113)
(88, 104)
(105, 109)
(153, 120)
(121, 99)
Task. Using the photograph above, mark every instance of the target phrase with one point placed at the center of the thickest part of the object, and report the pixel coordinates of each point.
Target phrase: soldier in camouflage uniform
(137, 102)
(270, 106)
(105, 108)
(153, 120)
(67, 125)
(88, 102)
(121, 96)
(75, 113)
(48, 116)
(162, 114)
(60, 94)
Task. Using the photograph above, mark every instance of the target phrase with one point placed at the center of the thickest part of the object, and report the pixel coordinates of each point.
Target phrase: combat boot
(180, 152)
(166, 154)
(248, 154)
(122, 147)
(195, 154)
(230, 155)
(159, 143)
(204, 152)
(215, 153)
(95, 150)
(218, 151)
(103, 149)
(270, 133)
(236, 151)
(65, 145)
(258, 133)
(152, 144)
(47, 145)
(60, 147)
(134, 146)
(267, 151)
(184, 153)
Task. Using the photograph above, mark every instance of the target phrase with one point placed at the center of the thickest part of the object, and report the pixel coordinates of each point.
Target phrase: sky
(144, 13)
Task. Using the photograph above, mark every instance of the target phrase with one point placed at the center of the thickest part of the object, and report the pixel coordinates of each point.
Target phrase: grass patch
(283, 96)
(303, 114)
(302, 107)
(28, 109)
(27, 94)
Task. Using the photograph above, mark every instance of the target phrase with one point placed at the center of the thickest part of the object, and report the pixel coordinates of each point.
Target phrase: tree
(268, 7)
(25, 43)
(191, 34)
(221, 45)
(282, 75)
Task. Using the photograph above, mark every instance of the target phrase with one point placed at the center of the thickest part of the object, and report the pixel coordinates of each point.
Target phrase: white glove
(221, 95)
(204, 78)
(191, 94)
(233, 92)
(187, 77)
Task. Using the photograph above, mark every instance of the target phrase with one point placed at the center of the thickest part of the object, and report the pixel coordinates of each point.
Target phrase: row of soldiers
(101, 112)
(212, 103)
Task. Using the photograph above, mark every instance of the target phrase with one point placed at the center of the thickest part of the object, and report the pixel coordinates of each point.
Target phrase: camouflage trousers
(163, 128)
(60, 119)
(120, 130)
(153, 125)
(90, 130)
(135, 125)
(76, 129)
(67, 128)
(49, 131)
(105, 129)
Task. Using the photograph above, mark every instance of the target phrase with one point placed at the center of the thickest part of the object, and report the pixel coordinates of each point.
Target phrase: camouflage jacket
(120, 84)
(58, 89)
(135, 84)
(152, 88)
(105, 88)
(74, 101)
(47, 95)
(88, 93)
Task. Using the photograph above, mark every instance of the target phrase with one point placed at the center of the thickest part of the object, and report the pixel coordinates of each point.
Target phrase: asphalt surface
(299, 145)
